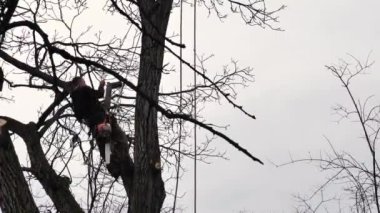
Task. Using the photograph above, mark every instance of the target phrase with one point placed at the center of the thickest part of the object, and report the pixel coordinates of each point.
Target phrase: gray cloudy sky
(292, 98)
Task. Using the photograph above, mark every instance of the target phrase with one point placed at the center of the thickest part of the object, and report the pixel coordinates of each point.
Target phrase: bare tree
(358, 180)
(44, 45)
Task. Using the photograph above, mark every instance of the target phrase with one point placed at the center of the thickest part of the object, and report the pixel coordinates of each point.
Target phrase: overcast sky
(292, 97)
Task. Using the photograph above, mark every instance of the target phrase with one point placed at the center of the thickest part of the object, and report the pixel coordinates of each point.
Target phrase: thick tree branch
(32, 70)
(57, 187)
(13, 199)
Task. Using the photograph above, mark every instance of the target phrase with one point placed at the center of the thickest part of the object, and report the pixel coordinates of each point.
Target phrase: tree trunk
(14, 191)
(57, 187)
(148, 188)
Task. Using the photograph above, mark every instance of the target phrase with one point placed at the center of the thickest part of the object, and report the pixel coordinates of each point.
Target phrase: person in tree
(87, 108)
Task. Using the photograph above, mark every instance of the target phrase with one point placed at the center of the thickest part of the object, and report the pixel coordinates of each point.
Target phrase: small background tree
(352, 183)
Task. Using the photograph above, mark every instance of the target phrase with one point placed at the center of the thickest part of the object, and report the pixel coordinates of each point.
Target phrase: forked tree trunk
(148, 187)
(56, 186)
(14, 191)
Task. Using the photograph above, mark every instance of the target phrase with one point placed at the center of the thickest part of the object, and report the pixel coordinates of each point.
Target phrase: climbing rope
(180, 108)
(195, 105)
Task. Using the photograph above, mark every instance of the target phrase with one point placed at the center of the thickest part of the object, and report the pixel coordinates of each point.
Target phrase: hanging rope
(180, 109)
(195, 106)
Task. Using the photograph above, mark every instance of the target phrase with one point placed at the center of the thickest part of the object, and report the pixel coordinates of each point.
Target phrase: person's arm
(100, 91)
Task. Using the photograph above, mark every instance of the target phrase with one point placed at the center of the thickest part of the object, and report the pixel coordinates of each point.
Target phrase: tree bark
(14, 191)
(57, 187)
(148, 188)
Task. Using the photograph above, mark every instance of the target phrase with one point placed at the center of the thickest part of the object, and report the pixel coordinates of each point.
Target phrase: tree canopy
(44, 44)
